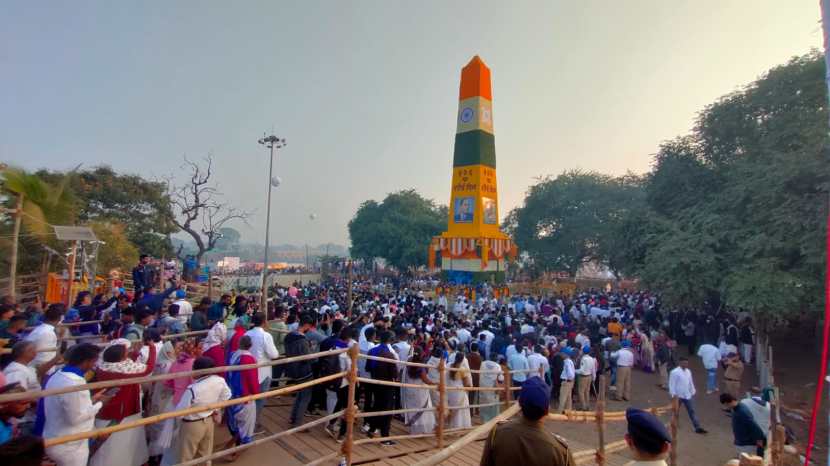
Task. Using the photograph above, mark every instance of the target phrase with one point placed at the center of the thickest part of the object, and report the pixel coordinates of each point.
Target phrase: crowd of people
(577, 347)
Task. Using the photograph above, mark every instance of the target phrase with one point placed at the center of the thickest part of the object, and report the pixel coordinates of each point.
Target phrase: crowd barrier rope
(33, 395)
(351, 412)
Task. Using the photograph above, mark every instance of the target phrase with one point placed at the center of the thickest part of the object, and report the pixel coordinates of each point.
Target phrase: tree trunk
(18, 219)
(761, 344)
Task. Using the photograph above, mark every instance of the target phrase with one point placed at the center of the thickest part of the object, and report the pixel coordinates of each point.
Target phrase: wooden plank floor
(304, 447)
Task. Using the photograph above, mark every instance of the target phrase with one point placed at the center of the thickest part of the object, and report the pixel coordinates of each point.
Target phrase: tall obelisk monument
(473, 249)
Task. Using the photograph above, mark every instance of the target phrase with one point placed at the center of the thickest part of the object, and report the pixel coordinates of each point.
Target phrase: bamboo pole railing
(158, 378)
(260, 441)
(585, 416)
(411, 436)
(184, 412)
(600, 415)
(470, 437)
(508, 381)
(392, 412)
(675, 418)
(588, 456)
(79, 337)
(442, 403)
(66, 324)
(432, 366)
(172, 336)
(395, 361)
(351, 408)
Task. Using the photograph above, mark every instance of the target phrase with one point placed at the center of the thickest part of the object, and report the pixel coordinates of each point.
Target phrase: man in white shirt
(185, 308)
(682, 386)
(73, 412)
(710, 355)
(196, 434)
(488, 338)
(518, 362)
(585, 376)
(18, 371)
(403, 349)
(263, 349)
(567, 385)
(538, 363)
(625, 360)
(44, 335)
(464, 335)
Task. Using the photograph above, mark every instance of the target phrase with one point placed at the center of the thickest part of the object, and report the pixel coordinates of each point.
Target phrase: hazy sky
(366, 92)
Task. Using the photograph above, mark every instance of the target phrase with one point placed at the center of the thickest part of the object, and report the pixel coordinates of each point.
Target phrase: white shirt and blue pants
(682, 386)
(710, 356)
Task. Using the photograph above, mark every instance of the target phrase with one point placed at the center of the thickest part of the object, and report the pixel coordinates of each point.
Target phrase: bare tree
(198, 210)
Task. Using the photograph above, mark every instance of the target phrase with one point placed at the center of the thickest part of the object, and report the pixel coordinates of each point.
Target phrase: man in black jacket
(144, 275)
(296, 344)
(749, 438)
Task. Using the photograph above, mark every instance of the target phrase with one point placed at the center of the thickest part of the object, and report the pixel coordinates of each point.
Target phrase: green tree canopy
(733, 212)
(141, 205)
(399, 229)
(574, 218)
(44, 204)
(746, 196)
(118, 252)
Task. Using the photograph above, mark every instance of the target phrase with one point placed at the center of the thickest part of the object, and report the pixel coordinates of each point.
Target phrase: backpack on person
(330, 365)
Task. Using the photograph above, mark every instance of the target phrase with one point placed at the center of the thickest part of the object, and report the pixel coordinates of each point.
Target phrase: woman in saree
(432, 373)
(187, 352)
(459, 377)
(160, 397)
(422, 422)
(241, 418)
(491, 376)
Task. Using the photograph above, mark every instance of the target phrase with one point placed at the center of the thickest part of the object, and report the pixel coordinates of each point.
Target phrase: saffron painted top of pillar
(475, 80)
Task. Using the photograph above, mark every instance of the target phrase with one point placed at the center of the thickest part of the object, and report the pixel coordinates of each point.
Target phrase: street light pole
(271, 142)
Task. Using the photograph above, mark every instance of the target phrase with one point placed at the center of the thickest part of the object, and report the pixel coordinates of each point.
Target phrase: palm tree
(37, 205)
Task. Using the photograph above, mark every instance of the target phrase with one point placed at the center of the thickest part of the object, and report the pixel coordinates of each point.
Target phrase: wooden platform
(302, 448)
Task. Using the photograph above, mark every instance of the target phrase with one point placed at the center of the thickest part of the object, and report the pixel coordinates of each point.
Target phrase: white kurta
(69, 413)
(125, 448)
(423, 422)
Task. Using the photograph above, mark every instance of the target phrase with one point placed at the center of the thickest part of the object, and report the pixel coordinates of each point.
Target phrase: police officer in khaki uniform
(733, 374)
(647, 438)
(523, 441)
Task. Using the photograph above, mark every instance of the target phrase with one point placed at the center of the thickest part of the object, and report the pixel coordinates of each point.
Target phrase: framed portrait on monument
(489, 207)
(464, 209)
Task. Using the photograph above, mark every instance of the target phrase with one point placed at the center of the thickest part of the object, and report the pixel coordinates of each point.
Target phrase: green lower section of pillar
(475, 147)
